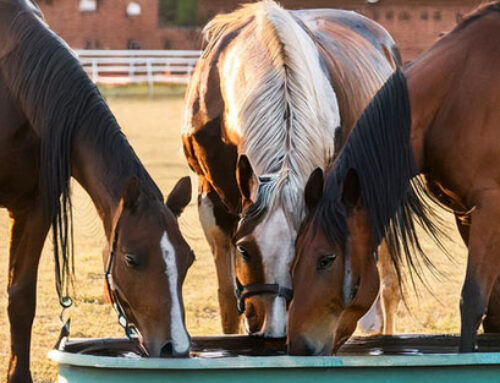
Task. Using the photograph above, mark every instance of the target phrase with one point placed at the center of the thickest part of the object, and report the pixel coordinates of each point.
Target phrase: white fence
(124, 67)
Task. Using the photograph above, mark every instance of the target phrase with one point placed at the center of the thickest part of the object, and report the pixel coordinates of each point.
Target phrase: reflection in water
(238, 345)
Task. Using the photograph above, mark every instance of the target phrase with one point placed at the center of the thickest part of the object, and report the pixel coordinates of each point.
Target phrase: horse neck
(429, 78)
(103, 171)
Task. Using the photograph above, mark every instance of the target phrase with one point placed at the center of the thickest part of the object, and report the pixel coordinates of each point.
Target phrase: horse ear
(131, 194)
(180, 196)
(351, 191)
(245, 177)
(314, 189)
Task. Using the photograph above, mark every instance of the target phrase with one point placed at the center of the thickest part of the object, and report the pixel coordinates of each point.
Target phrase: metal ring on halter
(244, 292)
(66, 302)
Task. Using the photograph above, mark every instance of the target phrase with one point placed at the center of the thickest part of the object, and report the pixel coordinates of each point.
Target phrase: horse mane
(289, 112)
(379, 150)
(60, 101)
(478, 13)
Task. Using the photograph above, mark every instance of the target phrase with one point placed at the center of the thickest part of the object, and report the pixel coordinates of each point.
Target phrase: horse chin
(304, 346)
(315, 339)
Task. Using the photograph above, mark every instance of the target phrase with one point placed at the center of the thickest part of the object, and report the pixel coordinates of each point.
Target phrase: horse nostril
(167, 350)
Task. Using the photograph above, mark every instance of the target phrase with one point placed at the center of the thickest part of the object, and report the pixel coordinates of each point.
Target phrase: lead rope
(66, 302)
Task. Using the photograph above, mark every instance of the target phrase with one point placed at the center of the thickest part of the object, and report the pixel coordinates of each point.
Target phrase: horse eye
(244, 253)
(131, 260)
(325, 261)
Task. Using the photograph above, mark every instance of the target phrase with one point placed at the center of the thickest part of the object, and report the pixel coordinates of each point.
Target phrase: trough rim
(266, 362)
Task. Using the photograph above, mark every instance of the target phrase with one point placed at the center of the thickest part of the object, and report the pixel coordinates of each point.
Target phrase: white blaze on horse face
(275, 238)
(276, 319)
(178, 333)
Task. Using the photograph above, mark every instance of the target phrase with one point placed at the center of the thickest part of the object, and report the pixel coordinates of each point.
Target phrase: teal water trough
(418, 368)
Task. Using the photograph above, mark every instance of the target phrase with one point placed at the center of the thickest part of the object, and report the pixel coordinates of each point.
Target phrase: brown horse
(272, 92)
(438, 118)
(54, 124)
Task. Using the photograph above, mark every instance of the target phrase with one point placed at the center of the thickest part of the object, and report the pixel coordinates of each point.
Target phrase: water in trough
(239, 345)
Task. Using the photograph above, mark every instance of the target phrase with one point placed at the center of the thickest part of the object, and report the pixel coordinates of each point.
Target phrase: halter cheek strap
(113, 290)
(274, 289)
(131, 331)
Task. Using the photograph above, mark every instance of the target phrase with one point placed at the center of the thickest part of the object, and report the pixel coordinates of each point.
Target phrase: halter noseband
(244, 292)
(113, 291)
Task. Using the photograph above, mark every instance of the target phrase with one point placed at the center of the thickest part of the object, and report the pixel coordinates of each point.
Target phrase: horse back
(358, 53)
(9, 9)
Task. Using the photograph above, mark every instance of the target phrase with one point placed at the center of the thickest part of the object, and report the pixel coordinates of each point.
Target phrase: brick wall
(110, 27)
(414, 24)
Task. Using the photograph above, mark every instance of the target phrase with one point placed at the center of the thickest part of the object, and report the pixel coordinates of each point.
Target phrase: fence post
(151, 82)
(131, 69)
(95, 71)
(130, 66)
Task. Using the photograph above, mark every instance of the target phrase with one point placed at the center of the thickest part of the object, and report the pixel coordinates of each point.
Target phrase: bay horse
(55, 124)
(438, 118)
(271, 93)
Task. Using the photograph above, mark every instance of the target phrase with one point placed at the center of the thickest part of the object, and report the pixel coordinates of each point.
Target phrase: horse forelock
(280, 108)
(273, 192)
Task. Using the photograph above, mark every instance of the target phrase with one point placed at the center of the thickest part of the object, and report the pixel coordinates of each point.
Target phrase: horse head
(264, 248)
(335, 278)
(147, 266)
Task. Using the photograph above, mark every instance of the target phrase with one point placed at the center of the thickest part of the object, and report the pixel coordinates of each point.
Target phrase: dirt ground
(153, 126)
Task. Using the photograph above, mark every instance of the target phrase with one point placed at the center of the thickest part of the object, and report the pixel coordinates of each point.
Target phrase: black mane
(62, 104)
(379, 150)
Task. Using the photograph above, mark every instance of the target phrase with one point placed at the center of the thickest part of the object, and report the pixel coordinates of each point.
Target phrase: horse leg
(381, 318)
(491, 321)
(28, 232)
(482, 271)
(217, 225)
(372, 322)
(390, 292)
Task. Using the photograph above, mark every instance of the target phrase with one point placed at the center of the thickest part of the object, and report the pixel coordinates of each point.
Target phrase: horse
(272, 92)
(54, 124)
(437, 118)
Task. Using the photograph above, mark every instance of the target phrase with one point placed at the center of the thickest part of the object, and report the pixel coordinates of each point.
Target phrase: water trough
(241, 359)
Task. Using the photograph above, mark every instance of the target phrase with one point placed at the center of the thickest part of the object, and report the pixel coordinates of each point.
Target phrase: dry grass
(153, 128)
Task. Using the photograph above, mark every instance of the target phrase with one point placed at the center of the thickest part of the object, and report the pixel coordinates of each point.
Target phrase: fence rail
(123, 67)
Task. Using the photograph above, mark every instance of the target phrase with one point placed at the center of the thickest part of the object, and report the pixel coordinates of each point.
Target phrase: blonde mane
(286, 113)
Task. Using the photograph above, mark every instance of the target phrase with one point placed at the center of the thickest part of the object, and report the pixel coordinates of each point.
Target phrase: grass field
(152, 126)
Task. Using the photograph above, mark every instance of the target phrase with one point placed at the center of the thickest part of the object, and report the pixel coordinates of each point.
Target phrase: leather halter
(244, 292)
(114, 291)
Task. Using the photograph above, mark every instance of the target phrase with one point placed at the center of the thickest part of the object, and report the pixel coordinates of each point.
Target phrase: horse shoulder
(208, 151)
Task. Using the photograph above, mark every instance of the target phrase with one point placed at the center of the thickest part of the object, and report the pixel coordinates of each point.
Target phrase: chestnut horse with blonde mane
(438, 118)
(54, 124)
(272, 97)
